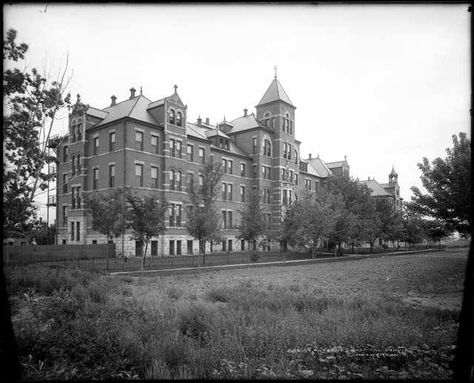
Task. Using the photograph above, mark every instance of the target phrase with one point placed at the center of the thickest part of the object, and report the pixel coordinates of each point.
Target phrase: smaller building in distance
(390, 190)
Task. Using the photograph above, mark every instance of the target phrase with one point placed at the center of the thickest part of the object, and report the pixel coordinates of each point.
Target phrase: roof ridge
(133, 107)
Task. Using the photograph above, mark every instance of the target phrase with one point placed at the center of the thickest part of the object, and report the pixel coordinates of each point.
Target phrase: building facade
(152, 148)
(389, 191)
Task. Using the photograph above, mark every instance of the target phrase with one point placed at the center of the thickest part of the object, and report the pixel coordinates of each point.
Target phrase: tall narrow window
(73, 198)
(78, 231)
(229, 217)
(171, 247)
(285, 197)
(179, 119)
(95, 179)
(172, 179)
(224, 191)
(78, 169)
(96, 146)
(254, 145)
(190, 152)
(178, 247)
(65, 183)
(230, 165)
(172, 148)
(189, 181)
(229, 192)
(111, 176)
(72, 231)
(171, 214)
(296, 157)
(154, 177)
(139, 140)
(138, 174)
(172, 116)
(224, 219)
(178, 180)
(242, 169)
(78, 197)
(202, 155)
(73, 165)
(111, 141)
(178, 149)
(242, 194)
(201, 179)
(64, 215)
(224, 165)
(65, 153)
(179, 210)
(154, 144)
(267, 148)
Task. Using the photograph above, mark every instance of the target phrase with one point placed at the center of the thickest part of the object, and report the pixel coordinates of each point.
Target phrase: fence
(22, 254)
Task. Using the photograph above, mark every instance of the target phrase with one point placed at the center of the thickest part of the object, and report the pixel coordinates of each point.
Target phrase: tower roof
(275, 92)
(393, 173)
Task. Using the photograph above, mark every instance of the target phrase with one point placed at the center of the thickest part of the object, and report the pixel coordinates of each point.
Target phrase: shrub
(174, 293)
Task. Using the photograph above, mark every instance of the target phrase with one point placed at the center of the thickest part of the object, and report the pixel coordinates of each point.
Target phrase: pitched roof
(216, 132)
(245, 122)
(335, 164)
(196, 131)
(318, 167)
(94, 112)
(275, 92)
(135, 108)
(377, 189)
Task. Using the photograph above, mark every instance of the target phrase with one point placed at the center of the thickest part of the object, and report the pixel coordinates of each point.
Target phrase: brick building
(389, 191)
(151, 147)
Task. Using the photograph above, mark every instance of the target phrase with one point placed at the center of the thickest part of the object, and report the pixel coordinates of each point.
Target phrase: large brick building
(151, 147)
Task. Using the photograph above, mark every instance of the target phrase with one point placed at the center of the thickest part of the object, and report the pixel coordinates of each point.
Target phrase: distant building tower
(393, 177)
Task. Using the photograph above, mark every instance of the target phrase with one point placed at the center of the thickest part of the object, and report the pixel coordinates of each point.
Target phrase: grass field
(387, 317)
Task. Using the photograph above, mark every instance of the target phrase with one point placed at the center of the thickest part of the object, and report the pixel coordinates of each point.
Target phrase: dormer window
(179, 119)
(172, 116)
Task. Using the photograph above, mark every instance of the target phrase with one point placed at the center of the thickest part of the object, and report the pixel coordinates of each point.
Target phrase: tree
(414, 228)
(203, 219)
(146, 218)
(31, 105)
(369, 228)
(437, 230)
(106, 213)
(253, 223)
(311, 218)
(448, 185)
(42, 233)
(357, 204)
(391, 222)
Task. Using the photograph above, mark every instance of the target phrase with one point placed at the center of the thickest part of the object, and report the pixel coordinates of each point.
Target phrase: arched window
(266, 119)
(179, 119)
(267, 149)
(172, 115)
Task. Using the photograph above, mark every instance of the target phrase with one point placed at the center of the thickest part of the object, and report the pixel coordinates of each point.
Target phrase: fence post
(107, 257)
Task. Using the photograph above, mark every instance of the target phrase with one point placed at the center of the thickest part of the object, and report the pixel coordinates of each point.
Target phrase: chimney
(132, 93)
(245, 112)
(309, 155)
(368, 178)
(207, 120)
(199, 121)
(114, 99)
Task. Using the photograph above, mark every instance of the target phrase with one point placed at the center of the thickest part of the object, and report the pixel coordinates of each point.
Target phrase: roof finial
(141, 90)
(276, 69)
(175, 89)
(224, 118)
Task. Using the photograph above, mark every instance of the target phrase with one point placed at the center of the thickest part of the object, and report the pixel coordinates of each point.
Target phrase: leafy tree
(253, 223)
(415, 227)
(42, 233)
(106, 212)
(31, 104)
(369, 228)
(203, 218)
(448, 185)
(312, 218)
(357, 204)
(437, 230)
(146, 218)
(391, 222)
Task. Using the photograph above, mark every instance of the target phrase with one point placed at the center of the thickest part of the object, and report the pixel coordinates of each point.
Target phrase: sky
(385, 85)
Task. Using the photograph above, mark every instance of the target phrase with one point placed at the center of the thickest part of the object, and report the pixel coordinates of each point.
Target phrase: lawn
(386, 317)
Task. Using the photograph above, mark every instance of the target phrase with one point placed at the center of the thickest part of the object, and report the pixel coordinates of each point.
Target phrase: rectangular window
(285, 197)
(171, 215)
(255, 170)
(96, 145)
(154, 177)
(242, 170)
(171, 247)
(224, 165)
(178, 149)
(111, 141)
(190, 246)
(189, 181)
(242, 194)
(224, 219)
(64, 215)
(72, 231)
(179, 210)
(154, 144)
(65, 183)
(224, 190)
(73, 198)
(229, 216)
(78, 231)
(230, 165)
(172, 148)
(95, 179)
(242, 245)
(254, 150)
(65, 153)
(229, 192)
(212, 157)
(139, 140)
(73, 165)
(178, 247)
(111, 176)
(202, 155)
(178, 181)
(138, 175)
(201, 179)
(190, 152)
(78, 169)
(224, 245)
(154, 248)
(296, 179)
(229, 246)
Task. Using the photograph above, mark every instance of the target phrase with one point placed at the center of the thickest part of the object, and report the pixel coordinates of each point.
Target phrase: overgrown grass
(77, 324)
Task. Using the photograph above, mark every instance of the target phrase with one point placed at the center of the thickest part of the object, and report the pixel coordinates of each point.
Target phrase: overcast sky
(385, 85)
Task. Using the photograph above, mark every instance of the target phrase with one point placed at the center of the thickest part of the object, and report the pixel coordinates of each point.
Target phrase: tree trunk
(144, 255)
(371, 247)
